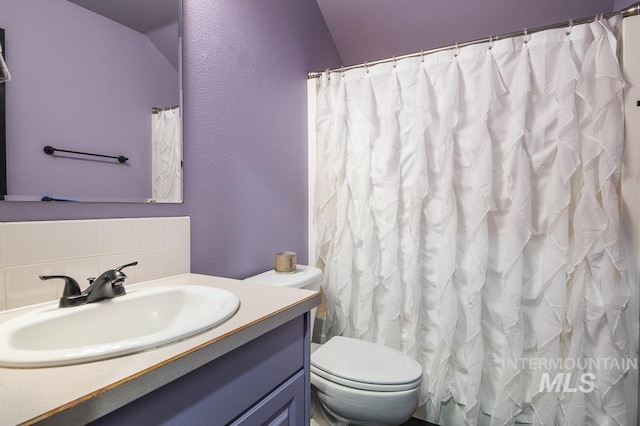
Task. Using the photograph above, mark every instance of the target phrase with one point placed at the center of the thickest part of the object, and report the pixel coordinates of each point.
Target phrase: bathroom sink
(140, 320)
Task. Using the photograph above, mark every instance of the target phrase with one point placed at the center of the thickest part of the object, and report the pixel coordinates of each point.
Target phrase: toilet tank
(305, 277)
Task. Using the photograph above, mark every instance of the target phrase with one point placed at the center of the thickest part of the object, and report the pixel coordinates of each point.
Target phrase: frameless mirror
(92, 108)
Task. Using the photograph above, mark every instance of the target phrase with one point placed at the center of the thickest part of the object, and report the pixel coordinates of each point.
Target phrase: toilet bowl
(365, 383)
(356, 381)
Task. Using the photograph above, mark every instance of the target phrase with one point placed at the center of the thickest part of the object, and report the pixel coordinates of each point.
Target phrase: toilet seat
(364, 365)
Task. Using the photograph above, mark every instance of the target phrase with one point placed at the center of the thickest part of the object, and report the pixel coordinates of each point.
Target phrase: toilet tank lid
(303, 277)
(366, 362)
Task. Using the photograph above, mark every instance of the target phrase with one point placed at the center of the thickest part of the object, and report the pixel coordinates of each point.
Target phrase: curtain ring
(422, 53)
(394, 61)
(365, 67)
(328, 74)
(456, 50)
(490, 46)
(570, 27)
(342, 71)
(526, 36)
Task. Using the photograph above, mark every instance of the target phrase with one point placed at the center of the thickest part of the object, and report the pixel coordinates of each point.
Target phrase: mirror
(101, 77)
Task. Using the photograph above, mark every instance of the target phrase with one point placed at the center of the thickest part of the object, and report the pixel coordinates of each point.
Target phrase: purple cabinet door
(220, 392)
(282, 407)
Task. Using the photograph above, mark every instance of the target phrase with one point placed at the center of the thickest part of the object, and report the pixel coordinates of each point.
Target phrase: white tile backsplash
(84, 249)
(151, 265)
(3, 298)
(31, 242)
(1, 245)
(178, 260)
(150, 233)
(178, 231)
(117, 236)
(24, 287)
(80, 269)
(79, 238)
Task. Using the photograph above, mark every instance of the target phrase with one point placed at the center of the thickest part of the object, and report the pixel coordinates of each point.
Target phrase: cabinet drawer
(217, 393)
(282, 407)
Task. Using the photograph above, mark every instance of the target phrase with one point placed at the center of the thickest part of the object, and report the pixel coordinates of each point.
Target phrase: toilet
(356, 381)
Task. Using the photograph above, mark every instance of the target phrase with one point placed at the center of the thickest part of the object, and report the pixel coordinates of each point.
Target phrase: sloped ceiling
(367, 30)
(157, 19)
(140, 15)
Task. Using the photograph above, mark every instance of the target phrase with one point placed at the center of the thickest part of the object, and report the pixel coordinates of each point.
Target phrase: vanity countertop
(79, 393)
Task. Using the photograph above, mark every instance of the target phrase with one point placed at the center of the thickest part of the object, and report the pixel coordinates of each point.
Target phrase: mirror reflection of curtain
(166, 157)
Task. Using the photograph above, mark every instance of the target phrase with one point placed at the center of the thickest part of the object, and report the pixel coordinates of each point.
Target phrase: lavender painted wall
(85, 83)
(164, 38)
(245, 66)
(623, 4)
(366, 30)
(245, 105)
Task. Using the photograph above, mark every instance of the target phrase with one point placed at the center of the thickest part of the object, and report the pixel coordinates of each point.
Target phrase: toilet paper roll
(286, 262)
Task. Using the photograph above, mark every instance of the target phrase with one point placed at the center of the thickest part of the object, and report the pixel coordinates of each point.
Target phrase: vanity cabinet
(265, 381)
(284, 406)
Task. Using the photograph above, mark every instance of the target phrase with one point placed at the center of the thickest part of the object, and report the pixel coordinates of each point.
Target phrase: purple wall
(245, 66)
(164, 38)
(367, 30)
(623, 4)
(85, 83)
(245, 132)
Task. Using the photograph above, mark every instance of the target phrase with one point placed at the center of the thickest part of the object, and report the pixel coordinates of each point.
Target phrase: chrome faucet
(107, 286)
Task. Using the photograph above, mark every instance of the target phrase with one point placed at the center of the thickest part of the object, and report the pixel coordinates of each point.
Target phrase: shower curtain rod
(155, 109)
(629, 11)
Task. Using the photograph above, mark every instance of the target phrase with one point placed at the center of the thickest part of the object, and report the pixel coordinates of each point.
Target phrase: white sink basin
(141, 319)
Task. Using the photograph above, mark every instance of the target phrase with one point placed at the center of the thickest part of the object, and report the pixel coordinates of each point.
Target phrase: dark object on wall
(49, 198)
(49, 150)
(3, 129)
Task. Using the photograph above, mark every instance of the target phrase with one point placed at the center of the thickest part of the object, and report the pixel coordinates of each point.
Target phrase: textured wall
(245, 130)
(245, 127)
(245, 95)
(622, 4)
(84, 83)
(366, 30)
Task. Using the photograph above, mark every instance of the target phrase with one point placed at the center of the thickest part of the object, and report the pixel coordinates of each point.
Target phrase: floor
(411, 422)
(318, 418)
(416, 422)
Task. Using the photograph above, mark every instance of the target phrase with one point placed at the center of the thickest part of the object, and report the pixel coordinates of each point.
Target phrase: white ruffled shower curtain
(466, 213)
(166, 155)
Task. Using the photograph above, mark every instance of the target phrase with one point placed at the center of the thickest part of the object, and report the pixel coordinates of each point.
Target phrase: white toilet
(356, 381)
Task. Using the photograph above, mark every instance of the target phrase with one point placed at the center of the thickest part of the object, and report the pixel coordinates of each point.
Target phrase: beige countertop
(79, 393)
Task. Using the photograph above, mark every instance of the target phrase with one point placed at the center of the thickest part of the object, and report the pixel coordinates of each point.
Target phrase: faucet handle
(120, 268)
(71, 287)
